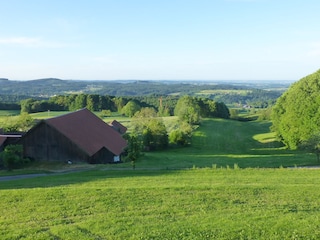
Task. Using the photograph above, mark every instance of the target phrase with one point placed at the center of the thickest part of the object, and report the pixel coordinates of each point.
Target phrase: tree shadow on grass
(66, 179)
(246, 145)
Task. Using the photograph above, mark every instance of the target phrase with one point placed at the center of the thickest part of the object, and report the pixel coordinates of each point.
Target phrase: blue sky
(159, 39)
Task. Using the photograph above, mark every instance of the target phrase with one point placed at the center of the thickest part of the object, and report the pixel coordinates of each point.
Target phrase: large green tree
(188, 110)
(130, 108)
(296, 115)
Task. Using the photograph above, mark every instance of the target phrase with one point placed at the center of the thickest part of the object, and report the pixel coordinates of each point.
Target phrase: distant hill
(227, 92)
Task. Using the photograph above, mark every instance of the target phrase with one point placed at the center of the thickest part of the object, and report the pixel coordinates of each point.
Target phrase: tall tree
(296, 115)
(90, 103)
(130, 108)
(188, 110)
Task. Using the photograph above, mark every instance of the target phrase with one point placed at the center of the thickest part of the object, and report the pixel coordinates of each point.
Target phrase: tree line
(164, 106)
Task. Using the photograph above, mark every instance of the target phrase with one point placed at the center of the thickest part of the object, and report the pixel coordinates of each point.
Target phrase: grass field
(234, 182)
(7, 113)
(163, 204)
(227, 143)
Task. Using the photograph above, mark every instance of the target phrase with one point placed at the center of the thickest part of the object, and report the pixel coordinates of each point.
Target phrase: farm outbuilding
(7, 139)
(118, 127)
(76, 136)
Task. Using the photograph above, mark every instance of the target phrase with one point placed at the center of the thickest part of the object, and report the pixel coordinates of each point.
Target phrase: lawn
(206, 203)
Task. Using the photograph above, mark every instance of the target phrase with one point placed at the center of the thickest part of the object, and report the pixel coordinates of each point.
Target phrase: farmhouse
(77, 136)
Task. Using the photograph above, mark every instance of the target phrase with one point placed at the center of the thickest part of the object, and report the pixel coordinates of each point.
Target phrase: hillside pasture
(205, 203)
(234, 181)
(229, 143)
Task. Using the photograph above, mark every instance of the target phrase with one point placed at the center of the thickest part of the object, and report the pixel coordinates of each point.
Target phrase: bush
(12, 158)
(182, 135)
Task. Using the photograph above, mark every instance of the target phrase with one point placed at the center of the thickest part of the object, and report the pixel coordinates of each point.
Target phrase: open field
(7, 113)
(222, 143)
(163, 204)
(225, 143)
(225, 91)
(231, 183)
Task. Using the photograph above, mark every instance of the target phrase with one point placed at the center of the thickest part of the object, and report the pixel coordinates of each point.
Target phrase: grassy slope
(207, 203)
(188, 204)
(226, 143)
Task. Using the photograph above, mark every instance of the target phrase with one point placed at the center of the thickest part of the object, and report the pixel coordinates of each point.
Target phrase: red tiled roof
(88, 132)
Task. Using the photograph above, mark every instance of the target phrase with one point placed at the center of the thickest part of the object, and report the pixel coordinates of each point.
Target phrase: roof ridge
(68, 113)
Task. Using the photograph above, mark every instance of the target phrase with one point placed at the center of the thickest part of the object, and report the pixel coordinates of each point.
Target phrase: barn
(77, 136)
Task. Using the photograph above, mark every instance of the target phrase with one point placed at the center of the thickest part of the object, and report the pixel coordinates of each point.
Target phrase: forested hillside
(255, 94)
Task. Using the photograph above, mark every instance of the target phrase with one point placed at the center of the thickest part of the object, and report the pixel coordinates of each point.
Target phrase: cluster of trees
(151, 129)
(70, 103)
(96, 102)
(11, 102)
(150, 133)
(130, 105)
(296, 115)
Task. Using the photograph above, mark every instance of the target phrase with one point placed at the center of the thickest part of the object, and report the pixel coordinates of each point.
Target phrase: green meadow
(233, 182)
(164, 204)
(228, 143)
(6, 113)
